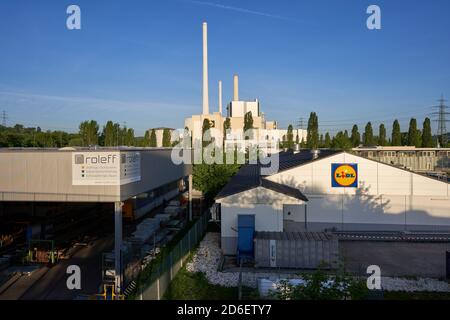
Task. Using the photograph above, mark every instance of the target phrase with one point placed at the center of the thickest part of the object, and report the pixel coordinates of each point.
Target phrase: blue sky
(139, 62)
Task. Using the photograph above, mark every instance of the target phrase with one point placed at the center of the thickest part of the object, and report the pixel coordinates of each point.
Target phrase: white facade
(240, 108)
(266, 204)
(386, 198)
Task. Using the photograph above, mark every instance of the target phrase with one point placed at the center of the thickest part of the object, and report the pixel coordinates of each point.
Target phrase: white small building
(332, 190)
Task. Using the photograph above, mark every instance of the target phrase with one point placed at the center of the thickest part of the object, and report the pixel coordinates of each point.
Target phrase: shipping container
(300, 250)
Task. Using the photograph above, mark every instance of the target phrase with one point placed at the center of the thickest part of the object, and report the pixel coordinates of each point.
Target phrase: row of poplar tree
(345, 140)
(115, 135)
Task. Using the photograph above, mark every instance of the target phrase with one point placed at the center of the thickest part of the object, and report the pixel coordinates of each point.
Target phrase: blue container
(246, 232)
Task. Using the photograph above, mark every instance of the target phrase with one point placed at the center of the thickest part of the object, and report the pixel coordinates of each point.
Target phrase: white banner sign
(105, 168)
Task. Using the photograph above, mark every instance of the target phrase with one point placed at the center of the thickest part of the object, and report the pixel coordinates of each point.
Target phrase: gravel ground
(208, 255)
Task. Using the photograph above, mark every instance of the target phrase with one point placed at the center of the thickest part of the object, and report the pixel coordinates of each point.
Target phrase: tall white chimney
(205, 69)
(235, 88)
(220, 96)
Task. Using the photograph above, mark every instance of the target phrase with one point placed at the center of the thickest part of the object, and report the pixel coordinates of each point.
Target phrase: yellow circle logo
(345, 175)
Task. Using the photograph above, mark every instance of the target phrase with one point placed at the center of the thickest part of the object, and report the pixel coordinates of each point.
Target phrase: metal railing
(154, 280)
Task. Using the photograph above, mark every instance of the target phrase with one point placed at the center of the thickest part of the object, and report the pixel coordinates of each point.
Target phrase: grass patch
(195, 286)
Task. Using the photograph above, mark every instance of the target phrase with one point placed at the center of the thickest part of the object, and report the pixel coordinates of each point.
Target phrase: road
(50, 283)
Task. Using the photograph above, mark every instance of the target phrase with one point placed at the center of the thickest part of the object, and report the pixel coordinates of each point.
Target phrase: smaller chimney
(220, 96)
(236, 88)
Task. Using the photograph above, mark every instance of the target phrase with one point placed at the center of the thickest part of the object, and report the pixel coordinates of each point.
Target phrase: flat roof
(86, 149)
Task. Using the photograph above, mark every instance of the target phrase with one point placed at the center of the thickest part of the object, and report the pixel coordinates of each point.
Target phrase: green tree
(248, 125)
(146, 141)
(341, 141)
(108, 134)
(226, 125)
(327, 143)
(413, 133)
(427, 137)
(206, 133)
(166, 138)
(89, 132)
(312, 137)
(211, 178)
(153, 142)
(355, 137)
(396, 134)
(290, 138)
(382, 135)
(129, 137)
(368, 135)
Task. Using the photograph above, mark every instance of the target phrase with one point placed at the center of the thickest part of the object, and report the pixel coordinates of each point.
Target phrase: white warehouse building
(326, 189)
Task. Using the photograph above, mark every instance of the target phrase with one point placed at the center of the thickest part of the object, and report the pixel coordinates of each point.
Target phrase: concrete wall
(424, 259)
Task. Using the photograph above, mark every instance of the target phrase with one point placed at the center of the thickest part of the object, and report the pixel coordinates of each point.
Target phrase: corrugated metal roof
(249, 176)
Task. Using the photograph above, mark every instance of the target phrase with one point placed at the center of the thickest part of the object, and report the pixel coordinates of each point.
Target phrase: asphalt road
(52, 285)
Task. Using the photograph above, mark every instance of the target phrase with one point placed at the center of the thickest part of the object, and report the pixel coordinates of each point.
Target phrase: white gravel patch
(208, 255)
(207, 259)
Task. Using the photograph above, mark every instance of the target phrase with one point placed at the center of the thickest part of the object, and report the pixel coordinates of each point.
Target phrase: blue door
(246, 231)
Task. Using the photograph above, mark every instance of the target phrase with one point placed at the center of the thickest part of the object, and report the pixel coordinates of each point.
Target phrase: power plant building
(266, 133)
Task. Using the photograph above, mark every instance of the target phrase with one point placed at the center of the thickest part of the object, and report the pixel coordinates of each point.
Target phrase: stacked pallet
(146, 229)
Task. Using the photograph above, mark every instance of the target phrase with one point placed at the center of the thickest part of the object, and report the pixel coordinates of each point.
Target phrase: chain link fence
(154, 280)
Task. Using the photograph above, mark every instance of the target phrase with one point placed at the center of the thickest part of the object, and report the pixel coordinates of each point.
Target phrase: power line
(300, 123)
(4, 118)
(441, 120)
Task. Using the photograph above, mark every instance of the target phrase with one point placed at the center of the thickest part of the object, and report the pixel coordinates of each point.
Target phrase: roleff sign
(105, 168)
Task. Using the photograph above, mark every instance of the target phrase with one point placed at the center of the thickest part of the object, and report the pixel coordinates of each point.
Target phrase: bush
(321, 286)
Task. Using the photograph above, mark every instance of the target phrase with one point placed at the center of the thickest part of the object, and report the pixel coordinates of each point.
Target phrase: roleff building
(38, 185)
(331, 190)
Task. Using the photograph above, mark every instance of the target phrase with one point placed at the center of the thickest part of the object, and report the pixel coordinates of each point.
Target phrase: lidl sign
(344, 175)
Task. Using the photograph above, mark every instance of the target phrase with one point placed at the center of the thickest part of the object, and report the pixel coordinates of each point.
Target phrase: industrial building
(265, 133)
(38, 185)
(412, 158)
(332, 190)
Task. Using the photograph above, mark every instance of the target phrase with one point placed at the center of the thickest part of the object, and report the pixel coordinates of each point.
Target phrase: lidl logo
(344, 175)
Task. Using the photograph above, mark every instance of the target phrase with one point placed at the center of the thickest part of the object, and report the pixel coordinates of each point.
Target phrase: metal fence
(166, 265)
